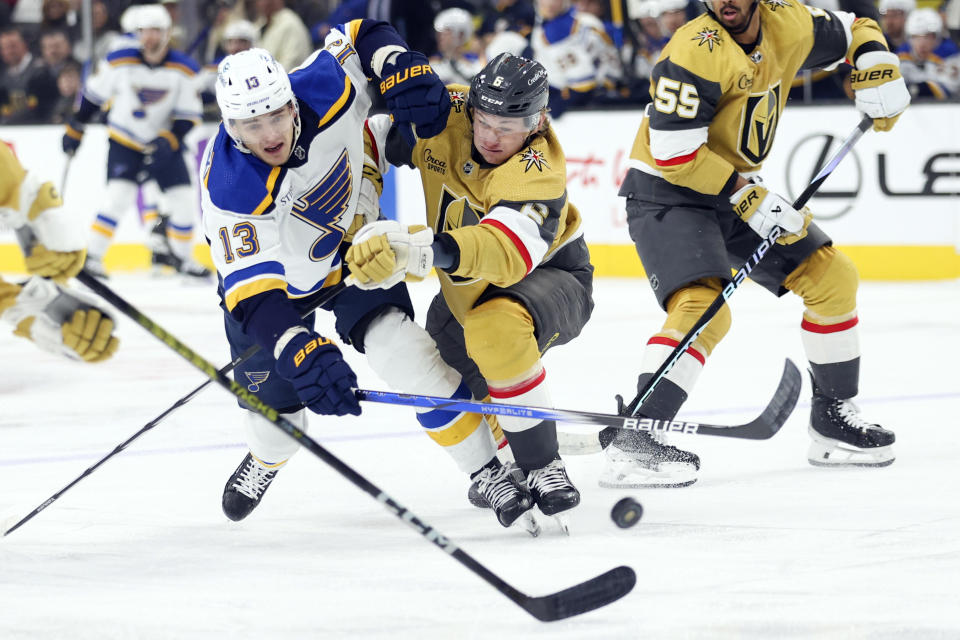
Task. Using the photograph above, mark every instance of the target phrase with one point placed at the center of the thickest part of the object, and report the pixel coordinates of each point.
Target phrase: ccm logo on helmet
(300, 355)
(404, 75)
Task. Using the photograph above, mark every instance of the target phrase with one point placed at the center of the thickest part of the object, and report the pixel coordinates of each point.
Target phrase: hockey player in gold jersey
(40, 309)
(695, 207)
(514, 271)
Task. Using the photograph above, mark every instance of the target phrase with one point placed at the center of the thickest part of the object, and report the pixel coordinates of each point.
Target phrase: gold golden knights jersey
(506, 219)
(716, 107)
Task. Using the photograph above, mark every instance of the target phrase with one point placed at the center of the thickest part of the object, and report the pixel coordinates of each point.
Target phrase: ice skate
(841, 438)
(502, 490)
(162, 260)
(194, 271)
(246, 487)
(553, 492)
(636, 459)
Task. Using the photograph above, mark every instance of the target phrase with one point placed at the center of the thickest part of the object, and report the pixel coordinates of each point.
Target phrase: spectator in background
(929, 74)
(282, 33)
(27, 91)
(56, 51)
(69, 83)
(893, 19)
(579, 57)
(455, 63)
(57, 14)
(497, 16)
(105, 31)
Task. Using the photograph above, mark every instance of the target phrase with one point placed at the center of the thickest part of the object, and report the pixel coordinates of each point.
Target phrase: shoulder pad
(238, 182)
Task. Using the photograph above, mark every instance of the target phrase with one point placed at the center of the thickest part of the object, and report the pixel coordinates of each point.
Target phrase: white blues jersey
(281, 227)
(144, 99)
(576, 51)
(459, 70)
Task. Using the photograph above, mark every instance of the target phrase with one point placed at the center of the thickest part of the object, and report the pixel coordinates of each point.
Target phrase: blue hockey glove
(317, 370)
(72, 137)
(415, 94)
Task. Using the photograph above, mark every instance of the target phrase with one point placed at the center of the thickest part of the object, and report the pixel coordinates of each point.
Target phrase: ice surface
(762, 546)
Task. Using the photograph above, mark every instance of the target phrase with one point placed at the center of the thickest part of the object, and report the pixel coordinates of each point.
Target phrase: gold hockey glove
(384, 253)
(57, 265)
(58, 320)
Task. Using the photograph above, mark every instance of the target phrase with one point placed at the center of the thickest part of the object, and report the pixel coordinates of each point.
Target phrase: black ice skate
(502, 490)
(245, 488)
(841, 438)
(553, 492)
(165, 260)
(637, 459)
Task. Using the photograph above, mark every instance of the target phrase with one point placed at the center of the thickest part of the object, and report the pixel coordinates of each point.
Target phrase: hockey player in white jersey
(454, 62)
(575, 50)
(154, 103)
(291, 175)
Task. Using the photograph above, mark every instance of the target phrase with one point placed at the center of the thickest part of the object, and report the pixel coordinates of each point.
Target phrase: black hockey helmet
(510, 86)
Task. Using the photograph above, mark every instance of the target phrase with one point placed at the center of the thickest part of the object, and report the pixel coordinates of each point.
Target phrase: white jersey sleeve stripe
(666, 145)
(523, 230)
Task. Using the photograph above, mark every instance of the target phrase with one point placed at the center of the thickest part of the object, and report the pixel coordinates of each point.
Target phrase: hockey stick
(586, 596)
(762, 427)
(741, 275)
(66, 172)
(227, 368)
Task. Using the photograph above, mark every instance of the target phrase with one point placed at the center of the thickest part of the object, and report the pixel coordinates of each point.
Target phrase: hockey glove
(415, 94)
(57, 265)
(72, 137)
(322, 378)
(59, 321)
(160, 151)
(763, 210)
(879, 89)
(52, 244)
(384, 253)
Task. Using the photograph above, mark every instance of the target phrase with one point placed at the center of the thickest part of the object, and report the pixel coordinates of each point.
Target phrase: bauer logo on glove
(403, 75)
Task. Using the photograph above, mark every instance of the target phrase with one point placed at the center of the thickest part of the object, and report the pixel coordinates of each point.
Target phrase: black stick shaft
(741, 275)
(445, 544)
(227, 368)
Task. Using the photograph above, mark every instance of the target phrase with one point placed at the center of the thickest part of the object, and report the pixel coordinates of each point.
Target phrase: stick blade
(775, 415)
(586, 596)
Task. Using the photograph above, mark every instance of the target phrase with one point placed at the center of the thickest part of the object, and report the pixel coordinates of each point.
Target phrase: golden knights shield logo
(758, 124)
(456, 212)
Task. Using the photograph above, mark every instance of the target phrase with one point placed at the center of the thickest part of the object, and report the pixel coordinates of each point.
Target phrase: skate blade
(529, 524)
(562, 523)
(648, 478)
(827, 452)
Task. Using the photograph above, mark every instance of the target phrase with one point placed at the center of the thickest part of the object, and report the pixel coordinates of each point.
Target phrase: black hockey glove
(415, 94)
(322, 378)
(160, 151)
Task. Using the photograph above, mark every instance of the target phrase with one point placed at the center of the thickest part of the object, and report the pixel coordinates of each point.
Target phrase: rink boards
(892, 204)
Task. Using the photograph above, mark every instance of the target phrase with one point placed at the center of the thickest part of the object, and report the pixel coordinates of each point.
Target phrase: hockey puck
(626, 513)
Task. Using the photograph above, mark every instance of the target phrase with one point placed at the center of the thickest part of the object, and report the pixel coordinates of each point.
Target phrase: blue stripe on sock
(437, 418)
